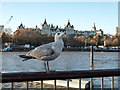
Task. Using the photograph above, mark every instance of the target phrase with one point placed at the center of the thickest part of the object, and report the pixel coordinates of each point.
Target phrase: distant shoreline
(65, 50)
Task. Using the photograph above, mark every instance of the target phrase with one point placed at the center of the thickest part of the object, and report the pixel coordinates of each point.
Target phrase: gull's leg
(47, 65)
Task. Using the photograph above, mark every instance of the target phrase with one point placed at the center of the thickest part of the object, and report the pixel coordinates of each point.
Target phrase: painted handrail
(57, 75)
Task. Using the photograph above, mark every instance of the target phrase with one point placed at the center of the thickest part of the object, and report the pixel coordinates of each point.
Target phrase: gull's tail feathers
(26, 57)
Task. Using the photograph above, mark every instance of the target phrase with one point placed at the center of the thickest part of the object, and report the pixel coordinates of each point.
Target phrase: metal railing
(60, 75)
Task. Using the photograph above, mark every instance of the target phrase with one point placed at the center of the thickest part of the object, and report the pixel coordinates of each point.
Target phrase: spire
(68, 20)
(94, 25)
(68, 23)
(51, 26)
(94, 28)
(44, 22)
(21, 24)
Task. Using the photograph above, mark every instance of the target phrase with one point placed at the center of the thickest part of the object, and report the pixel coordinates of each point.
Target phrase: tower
(45, 28)
(69, 28)
(117, 31)
(68, 24)
(94, 28)
(21, 26)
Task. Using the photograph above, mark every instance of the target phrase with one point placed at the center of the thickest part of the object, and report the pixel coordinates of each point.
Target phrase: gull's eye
(58, 33)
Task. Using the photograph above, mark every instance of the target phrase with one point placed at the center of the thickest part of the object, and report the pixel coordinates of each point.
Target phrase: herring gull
(46, 52)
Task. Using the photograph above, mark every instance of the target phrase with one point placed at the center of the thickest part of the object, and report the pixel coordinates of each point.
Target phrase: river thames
(67, 61)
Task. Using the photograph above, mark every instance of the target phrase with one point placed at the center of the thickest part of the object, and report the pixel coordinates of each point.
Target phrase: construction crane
(9, 20)
(8, 30)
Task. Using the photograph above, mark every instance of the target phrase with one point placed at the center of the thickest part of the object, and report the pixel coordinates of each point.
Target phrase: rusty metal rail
(58, 75)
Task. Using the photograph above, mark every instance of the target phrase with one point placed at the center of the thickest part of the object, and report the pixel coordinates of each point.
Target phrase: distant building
(68, 29)
(21, 26)
(1, 30)
(88, 33)
(37, 29)
(94, 28)
(1, 27)
(45, 28)
(117, 31)
(51, 30)
(100, 32)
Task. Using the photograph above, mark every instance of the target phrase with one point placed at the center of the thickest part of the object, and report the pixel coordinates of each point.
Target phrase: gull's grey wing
(41, 51)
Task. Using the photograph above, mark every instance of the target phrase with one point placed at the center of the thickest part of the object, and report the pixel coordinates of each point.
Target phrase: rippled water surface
(67, 61)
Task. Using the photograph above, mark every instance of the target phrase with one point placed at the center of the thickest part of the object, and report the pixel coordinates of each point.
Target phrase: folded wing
(41, 51)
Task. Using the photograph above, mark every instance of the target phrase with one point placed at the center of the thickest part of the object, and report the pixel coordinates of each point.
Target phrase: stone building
(51, 29)
(94, 28)
(21, 26)
(100, 31)
(1, 30)
(117, 31)
(1, 27)
(88, 33)
(68, 29)
(45, 28)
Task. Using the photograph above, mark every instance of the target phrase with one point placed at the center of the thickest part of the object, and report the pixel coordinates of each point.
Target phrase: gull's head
(59, 35)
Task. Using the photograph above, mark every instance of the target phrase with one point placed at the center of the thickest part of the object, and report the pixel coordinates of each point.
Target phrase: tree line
(34, 38)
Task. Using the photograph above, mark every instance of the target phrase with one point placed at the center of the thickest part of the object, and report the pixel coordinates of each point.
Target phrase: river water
(67, 61)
